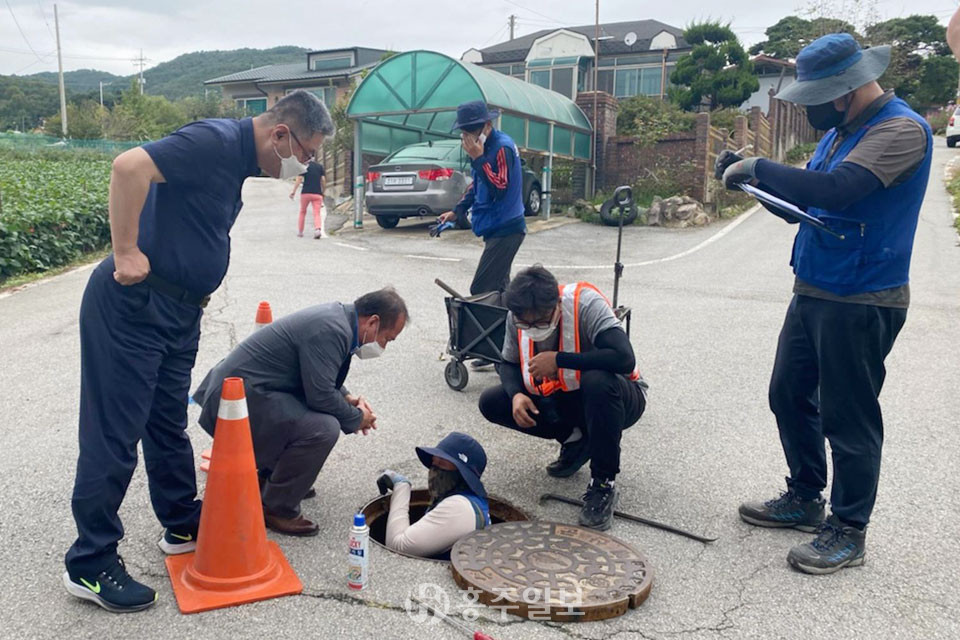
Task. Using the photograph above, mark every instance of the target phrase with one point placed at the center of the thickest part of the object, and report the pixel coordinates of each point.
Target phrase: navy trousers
(137, 348)
(826, 385)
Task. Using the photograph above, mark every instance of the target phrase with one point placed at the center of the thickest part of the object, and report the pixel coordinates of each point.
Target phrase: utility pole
(63, 93)
(513, 24)
(596, 91)
(139, 62)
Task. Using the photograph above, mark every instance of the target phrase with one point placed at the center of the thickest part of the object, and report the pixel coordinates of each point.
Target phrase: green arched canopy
(413, 96)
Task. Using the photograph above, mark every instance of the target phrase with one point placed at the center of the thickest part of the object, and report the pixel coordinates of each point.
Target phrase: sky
(108, 34)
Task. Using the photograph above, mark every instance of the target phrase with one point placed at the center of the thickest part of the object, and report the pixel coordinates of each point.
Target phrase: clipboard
(788, 209)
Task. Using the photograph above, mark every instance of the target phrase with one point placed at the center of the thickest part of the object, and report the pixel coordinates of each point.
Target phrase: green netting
(34, 142)
(420, 90)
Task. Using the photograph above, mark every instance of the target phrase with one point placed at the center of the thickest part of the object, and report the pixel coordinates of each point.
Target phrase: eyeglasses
(539, 324)
(312, 154)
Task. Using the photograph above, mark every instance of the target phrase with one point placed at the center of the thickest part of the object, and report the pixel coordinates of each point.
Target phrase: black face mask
(824, 117)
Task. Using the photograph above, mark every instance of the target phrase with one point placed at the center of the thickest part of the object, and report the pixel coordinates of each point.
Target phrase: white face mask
(372, 349)
(290, 167)
(540, 334)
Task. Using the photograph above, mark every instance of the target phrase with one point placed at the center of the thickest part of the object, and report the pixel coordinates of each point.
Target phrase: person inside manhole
(458, 501)
(569, 375)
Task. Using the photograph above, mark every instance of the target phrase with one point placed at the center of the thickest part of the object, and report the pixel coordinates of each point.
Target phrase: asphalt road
(705, 328)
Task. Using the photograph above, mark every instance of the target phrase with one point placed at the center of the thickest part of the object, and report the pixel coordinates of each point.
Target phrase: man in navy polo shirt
(172, 204)
(495, 197)
(866, 181)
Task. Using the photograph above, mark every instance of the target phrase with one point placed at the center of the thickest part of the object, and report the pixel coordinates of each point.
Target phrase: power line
(542, 15)
(9, 50)
(17, 22)
(44, 15)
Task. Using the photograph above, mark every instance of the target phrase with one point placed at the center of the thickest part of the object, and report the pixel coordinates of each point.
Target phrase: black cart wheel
(456, 375)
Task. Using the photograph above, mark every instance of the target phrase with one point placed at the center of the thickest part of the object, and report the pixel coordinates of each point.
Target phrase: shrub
(801, 153)
(53, 209)
(651, 119)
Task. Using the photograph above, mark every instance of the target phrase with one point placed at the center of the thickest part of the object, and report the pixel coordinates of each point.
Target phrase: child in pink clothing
(314, 180)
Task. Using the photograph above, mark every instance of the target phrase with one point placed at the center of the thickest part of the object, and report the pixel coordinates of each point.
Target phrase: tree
(787, 37)
(717, 70)
(922, 69)
(142, 117)
(84, 120)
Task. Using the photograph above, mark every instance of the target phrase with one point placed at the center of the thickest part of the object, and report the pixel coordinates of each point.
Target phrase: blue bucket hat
(465, 453)
(472, 113)
(831, 67)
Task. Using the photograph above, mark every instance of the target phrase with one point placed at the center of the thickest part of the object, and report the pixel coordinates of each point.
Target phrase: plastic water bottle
(359, 566)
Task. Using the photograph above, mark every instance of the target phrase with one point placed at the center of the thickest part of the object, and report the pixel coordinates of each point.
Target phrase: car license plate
(394, 182)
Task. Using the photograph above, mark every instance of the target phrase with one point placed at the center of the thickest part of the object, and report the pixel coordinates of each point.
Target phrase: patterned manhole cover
(548, 570)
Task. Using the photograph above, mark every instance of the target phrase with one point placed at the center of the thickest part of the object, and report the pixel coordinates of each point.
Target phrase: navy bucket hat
(831, 67)
(465, 453)
(473, 113)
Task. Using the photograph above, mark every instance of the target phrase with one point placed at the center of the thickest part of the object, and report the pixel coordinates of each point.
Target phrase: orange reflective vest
(569, 328)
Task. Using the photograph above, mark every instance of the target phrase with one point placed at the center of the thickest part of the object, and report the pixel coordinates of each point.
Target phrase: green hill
(79, 81)
(184, 75)
(181, 77)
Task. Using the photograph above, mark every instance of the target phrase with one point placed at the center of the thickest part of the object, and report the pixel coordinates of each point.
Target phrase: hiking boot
(836, 546)
(173, 543)
(598, 504)
(573, 455)
(789, 510)
(113, 589)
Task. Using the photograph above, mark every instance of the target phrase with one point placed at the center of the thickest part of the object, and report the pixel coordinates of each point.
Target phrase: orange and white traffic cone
(234, 562)
(264, 316)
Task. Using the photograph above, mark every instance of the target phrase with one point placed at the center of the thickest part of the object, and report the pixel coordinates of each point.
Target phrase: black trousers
(825, 385)
(605, 405)
(137, 348)
(493, 271)
(291, 443)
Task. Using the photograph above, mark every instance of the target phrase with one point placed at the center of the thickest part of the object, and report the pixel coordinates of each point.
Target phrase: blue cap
(359, 520)
(465, 453)
(831, 67)
(473, 113)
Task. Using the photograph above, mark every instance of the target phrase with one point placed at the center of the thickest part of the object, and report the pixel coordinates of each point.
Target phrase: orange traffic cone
(264, 316)
(234, 562)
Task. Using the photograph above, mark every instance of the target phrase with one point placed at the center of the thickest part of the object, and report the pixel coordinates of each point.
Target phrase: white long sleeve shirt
(435, 532)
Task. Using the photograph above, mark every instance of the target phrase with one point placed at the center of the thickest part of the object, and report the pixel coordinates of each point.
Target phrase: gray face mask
(442, 483)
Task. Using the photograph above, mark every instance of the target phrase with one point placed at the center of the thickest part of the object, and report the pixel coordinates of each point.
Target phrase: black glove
(741, 171)
(724, 160)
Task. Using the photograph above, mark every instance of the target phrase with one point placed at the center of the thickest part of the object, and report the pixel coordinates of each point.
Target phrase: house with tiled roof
(635, 58)
(328, 74)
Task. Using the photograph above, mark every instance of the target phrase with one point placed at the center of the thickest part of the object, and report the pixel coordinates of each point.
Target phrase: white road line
(350, 246)
(415, 257)
(31, 285)
(727, 229)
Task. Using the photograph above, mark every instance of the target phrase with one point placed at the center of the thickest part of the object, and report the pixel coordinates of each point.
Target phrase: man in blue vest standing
(495, 197)
(866, 181)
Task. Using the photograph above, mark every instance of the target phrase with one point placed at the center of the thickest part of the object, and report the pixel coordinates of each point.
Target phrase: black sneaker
(835, 547)
(174, 543)
(113, 589)
(573, 455)
(789, 510)
(310, 494)
(598, 504)
(480, 364)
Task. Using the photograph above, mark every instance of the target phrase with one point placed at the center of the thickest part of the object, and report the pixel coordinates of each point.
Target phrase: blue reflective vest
(489, 214)
(878, 230)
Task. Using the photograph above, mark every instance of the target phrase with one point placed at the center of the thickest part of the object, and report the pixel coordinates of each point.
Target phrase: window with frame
(252, 106)
(337, 62)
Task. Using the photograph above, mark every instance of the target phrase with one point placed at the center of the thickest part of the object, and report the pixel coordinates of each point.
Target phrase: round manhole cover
(548, 570)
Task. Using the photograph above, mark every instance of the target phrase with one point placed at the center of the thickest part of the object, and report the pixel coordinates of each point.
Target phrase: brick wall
(627, 161)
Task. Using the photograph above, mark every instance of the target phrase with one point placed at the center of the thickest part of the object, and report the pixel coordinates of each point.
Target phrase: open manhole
(376, 512)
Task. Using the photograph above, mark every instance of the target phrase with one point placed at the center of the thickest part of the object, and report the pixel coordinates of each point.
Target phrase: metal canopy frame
(390, 104)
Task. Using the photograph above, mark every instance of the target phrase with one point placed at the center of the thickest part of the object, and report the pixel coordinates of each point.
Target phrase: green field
(53, 209)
